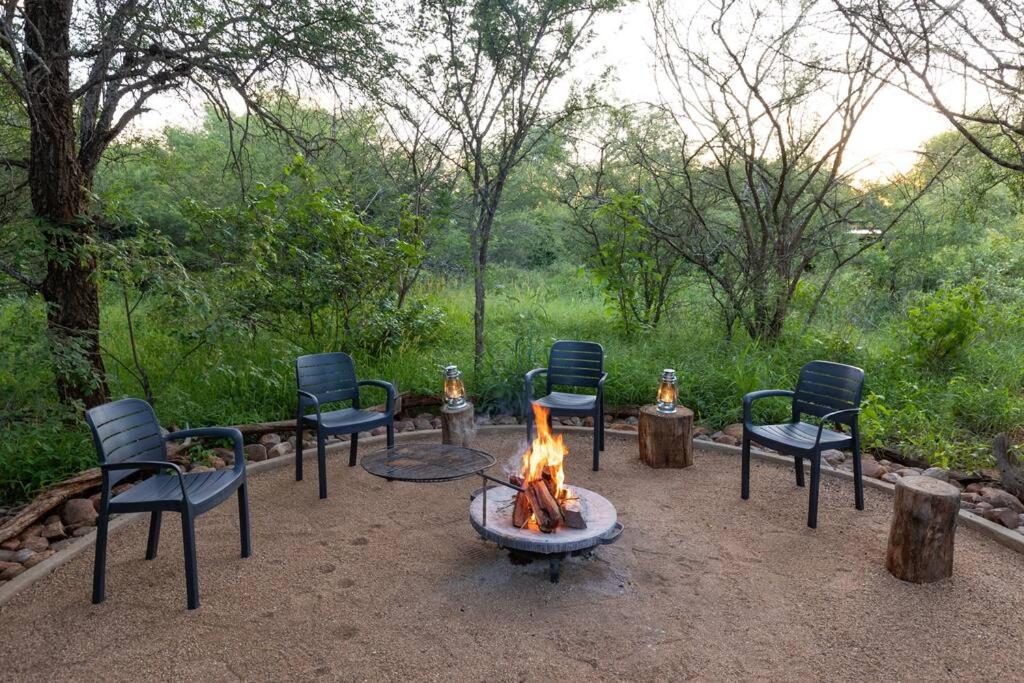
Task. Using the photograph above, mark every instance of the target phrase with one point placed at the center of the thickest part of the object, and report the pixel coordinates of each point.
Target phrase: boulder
(890, 477)
(53, 529)
(60, 545)
(8, 570)
(217, 463)
(908, 472)
(10, 544)
(971, 498)
(833, 457)
(1004, 516)
(226, 454)
(982, 505)
(624, 426)
(255, 452)
(726, 439)
(270, 440)
(18, 556)
(483, 419)
(734, 430)
(424, 416)
(377, 431)
(31, 531)
(280, 450)
(81, 531)
(37, 558)
(939, 473)
(79, 512)
(871, 468)
(506, 420)
(999, 498)
(588, 421)
(700, 431)
(423, 423)
(35, 543)
(405, 426)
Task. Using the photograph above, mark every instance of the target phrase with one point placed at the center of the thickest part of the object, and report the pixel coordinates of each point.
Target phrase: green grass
(946, 415)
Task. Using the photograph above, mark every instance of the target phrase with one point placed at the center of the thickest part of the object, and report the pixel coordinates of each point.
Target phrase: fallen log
(50, 499)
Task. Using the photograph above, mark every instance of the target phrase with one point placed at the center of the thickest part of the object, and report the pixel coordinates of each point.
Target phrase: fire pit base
(529, 543)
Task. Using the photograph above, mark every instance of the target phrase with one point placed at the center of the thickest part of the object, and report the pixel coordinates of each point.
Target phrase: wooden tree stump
(923, 529)
(666, 439)
(458, 426)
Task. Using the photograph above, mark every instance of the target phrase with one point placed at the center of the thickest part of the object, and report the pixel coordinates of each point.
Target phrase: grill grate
(426, 462)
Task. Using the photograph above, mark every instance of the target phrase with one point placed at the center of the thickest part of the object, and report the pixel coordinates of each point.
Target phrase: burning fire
(545, 502)
(545, 456)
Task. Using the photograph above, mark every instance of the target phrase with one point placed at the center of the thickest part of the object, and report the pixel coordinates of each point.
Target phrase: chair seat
(205, 489)
(558, 401)
(797, 435)
(348, 420)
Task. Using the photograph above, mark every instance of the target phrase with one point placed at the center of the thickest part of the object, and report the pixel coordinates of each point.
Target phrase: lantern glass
(454, 389)
(668, 393)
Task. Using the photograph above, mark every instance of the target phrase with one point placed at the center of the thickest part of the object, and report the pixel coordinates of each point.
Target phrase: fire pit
(539, 516)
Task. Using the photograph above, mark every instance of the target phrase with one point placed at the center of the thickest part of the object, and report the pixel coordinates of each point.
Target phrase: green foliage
(940, 325)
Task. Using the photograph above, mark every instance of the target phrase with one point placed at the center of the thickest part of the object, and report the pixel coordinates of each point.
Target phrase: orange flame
(547, 451)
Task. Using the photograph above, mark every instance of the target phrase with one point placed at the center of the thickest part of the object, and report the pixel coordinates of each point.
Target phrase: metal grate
(426, 462)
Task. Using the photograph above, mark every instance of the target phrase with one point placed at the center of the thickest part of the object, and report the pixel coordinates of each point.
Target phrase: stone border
(1000, 534)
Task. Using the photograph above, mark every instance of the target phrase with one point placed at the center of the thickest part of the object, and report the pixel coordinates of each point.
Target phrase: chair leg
(321, 462)
(188, 535)
(391, 434)
(745, 468)
(597, 449)
(858, 479)
(99, 572)
(599, 427)
(154, 534)
(243, 520)
(298, 450)
(353, 449)
(798, 465)
(812, 508)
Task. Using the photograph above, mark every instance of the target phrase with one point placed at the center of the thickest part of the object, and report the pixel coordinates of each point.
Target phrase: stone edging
(1000, 534)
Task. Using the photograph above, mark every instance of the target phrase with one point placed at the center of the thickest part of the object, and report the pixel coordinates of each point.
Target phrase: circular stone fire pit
(602, 527)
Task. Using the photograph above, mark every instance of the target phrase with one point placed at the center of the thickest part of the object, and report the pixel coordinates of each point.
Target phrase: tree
(765, 117)
(487, 69)
(965, 59)
(83, 71)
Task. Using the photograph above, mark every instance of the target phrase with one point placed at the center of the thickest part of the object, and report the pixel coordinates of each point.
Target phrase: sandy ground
(389, 581)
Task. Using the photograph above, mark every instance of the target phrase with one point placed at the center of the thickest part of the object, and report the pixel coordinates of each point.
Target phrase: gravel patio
(389, 581)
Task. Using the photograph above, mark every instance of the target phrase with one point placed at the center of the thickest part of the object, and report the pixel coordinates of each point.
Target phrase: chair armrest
(386, 386)
(147, 465)
(600, 384)
(312, 397)
(748, 400)
(216, 433)
(831, 417)
(528, 385)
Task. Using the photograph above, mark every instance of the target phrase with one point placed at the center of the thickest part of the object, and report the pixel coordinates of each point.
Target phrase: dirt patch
(389, 581)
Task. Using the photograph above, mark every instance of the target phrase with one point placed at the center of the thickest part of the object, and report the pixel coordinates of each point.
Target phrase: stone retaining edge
(1000, 534)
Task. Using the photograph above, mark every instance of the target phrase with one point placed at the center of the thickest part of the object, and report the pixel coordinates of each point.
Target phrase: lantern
(667, 392)
(454, 389)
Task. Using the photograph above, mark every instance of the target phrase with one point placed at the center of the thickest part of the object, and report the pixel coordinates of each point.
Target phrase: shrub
(943, 323)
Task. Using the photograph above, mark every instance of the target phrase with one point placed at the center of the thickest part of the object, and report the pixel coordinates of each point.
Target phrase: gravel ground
(389, 581)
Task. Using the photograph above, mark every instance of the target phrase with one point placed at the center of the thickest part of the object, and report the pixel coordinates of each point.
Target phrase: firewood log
(572, 514)
(521, 511)
(548, 475)
(545, 507)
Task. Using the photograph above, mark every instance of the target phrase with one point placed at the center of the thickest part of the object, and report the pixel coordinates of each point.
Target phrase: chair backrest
(825, 387)
(123, 431)
(575, 364)
(328, 376)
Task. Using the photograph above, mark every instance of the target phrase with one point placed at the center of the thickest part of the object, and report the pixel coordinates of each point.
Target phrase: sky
(884, 143)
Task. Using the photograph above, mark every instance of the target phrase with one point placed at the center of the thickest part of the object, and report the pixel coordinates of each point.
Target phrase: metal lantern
(454, 389)
(668, 393)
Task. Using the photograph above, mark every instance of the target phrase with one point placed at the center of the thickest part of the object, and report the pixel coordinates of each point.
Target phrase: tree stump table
(923, 529)
(666, 439)
(458, 425)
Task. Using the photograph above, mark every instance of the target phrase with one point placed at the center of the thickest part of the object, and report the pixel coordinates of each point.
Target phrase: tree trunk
(60, 197)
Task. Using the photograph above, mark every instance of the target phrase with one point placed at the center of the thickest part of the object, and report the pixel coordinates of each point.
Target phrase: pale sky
(884, 143)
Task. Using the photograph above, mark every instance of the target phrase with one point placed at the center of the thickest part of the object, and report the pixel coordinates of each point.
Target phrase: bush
(943, 323)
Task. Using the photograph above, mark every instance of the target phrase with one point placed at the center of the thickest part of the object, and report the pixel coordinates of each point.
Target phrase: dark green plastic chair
(830, 392)
(328, 378)
(128, 439)
(572, 364)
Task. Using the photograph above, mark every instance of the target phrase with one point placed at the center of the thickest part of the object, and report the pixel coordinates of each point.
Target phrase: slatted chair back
(825, 387)
(123, 431)
(575, 364)
(328, 376)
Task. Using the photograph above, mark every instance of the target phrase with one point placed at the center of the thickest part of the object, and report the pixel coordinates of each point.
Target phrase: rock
(588, 422)
(871, 468)
(8, 570)
(982, 505)
(18, 556)
(424, 416)
(255, 452)
(908, 472)
(483, 420)
(726, 439)
(226, 454)
(967, 506)
(885, 463)
(270, 440)
(423, 423)
(405, 426)
(1004, 516)
(217, 463)
(31, 531)
(35, 543)
(700, 431)
(999, 498)
(939, 473)
(575, 421)
(95, 499)
(377, 431)
(608, 419)
(60, 545)
(632, 420)
(974, 487)
(280, 450)
(37, 558)
(506, 420)
(833, 457)
(971, 498)
(10, 544)
(891, 477)
(121, 488)
(180, 458)
(199, 469)
(54, 529)
(82, 531)
(435, 423)
(734, 430)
